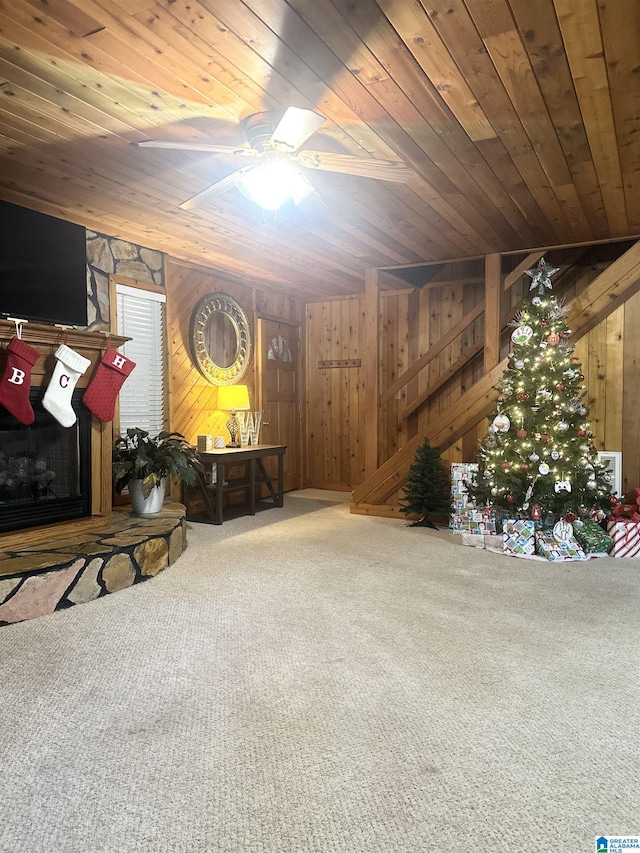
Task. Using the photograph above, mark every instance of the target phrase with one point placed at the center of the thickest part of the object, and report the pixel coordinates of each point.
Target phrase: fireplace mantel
(92, 345)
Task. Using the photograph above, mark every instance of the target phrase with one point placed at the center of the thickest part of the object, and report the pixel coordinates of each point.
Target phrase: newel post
(371, 347)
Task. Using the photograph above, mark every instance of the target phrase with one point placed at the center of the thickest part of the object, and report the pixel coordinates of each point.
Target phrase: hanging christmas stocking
(100, 397)
(57, 399)
(16, 380)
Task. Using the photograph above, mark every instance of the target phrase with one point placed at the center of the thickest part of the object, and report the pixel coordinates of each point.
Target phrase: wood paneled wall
(411, 321)
(193, 400)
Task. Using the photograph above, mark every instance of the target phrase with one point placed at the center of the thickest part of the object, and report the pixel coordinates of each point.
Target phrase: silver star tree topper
(541, 275)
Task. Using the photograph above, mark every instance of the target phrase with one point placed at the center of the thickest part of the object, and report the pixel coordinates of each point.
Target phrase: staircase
(614, 286)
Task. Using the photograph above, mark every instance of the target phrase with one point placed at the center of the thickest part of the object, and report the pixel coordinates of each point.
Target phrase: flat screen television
(42, 267)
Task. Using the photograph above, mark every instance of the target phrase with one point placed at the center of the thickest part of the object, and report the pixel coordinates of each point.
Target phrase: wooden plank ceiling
(521, 120)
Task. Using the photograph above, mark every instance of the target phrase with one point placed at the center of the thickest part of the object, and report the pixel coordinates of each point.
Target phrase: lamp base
(234, 444)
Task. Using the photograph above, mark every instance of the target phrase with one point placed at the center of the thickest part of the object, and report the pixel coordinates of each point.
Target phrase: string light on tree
(538, 457)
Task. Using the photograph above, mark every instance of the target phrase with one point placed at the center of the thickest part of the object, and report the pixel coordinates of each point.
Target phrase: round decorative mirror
(220, 339)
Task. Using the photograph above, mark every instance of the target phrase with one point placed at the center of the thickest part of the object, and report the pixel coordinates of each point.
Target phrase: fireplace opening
(45, 468)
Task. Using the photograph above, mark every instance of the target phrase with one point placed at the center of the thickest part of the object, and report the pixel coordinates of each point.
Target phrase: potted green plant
(142, 463)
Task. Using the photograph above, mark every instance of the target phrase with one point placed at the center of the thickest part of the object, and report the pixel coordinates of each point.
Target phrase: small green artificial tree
(427, 490)
(538, 457)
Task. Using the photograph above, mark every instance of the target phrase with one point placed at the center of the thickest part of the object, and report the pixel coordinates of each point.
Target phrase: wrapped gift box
(461, 472)
(591, 537)
(476, 522)
(558, 550)
(489, 540)
(626, 537)
(518, 536)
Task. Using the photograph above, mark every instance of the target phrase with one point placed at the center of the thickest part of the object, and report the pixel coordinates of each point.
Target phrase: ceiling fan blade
(215, 189)
(295, 127)
(382, 170)
(198, 146)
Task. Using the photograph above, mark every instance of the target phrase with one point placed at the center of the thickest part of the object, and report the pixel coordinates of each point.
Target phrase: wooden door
(280, 393)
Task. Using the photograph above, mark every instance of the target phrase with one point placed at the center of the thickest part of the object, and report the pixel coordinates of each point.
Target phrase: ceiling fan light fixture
(273, 183)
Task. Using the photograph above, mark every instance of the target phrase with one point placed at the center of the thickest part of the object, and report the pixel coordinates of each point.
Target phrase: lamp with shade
(233, 398)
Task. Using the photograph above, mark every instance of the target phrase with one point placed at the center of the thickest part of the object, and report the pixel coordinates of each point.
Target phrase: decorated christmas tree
(538, 458)
(427, 490)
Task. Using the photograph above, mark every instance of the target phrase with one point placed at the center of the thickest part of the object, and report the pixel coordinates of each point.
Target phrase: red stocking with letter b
(16, 380)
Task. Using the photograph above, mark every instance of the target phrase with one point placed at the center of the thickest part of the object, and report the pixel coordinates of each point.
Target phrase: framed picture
(613, 460)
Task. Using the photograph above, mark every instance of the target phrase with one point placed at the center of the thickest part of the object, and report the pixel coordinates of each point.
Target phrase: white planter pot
(146, 506)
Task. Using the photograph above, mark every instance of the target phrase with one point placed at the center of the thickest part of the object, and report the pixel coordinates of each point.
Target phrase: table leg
(280, 501)
(219, 492)
(252, 486)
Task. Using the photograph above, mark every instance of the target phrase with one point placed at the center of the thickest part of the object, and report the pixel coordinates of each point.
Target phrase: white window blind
(141, 317)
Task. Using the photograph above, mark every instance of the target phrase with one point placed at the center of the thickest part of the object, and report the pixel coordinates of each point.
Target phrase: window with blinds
(141, 317)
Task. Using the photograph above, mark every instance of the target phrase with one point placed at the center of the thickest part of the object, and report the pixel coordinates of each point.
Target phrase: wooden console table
(256, 474)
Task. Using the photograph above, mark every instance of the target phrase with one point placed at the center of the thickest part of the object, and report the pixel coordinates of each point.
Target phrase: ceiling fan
(273, 173)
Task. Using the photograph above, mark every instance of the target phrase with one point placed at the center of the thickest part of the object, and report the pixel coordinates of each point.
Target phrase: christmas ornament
(502, 423)
(559, 387)
(581, 376)
(523, 396)
(570, 374)
(591, 484)
(522, 433)
(16, 380)
(542, 362)
(536, 300)
(544, 395)
(563, 426)
(100, 397)
(543, 344)
(534, 457)
(519, 364)
(582, 432)
(555, 455)
(562, 486)
(524, 466)
(543, 468)
(570, 517)
(70, 366)
(535, 408)
(545, 436)
(491, 428)
(553, 340)
(510, 498)
(504, 465)
(541, 275)
(562, 531)
(522, 334)
(536, 512)
(494, 491)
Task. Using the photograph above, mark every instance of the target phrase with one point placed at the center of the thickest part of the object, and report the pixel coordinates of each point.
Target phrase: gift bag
(626, 537)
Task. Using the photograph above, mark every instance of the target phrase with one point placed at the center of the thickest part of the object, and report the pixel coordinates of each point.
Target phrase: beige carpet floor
(310, 680)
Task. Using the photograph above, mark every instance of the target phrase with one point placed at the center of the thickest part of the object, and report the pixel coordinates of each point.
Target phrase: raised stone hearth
(131, 548)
